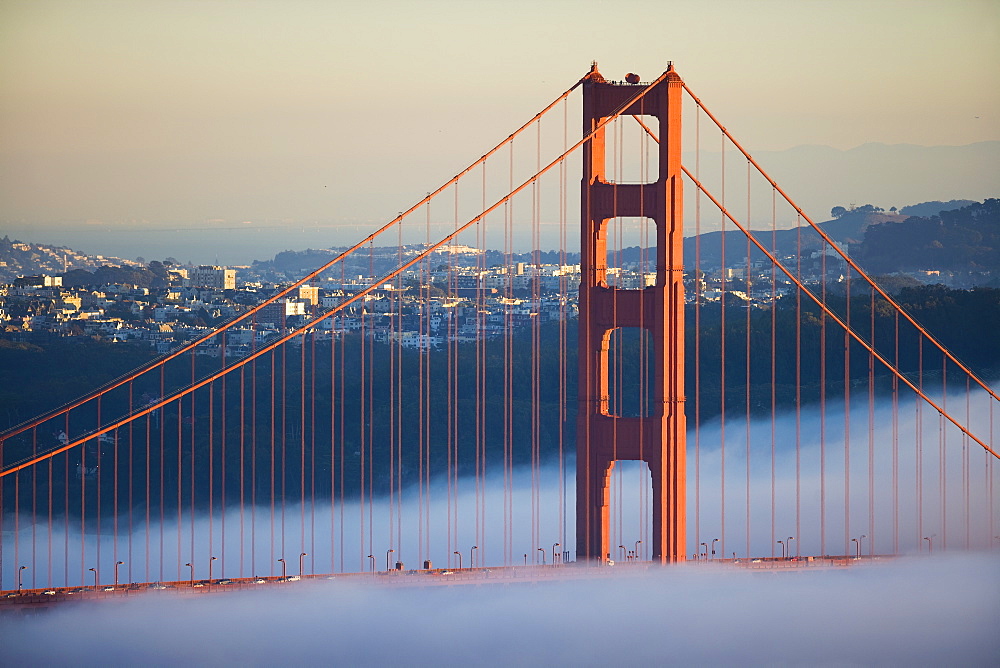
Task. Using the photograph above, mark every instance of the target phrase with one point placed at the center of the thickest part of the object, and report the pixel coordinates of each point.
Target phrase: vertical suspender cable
(97, 490)
(181, 436)
(697, 338)
(302, 444)
(224, 400)
(965, 467)
(873, 531)
(798, 384)
(774, 351)
(563, 396)
(822, 411)
(284, 441)
(253, 457)
(942, 459)
(242, 473)
(722, 363)
(919, 446)
(895, 439)
(847, 415)
(211, 469)
(480, 321)
(273, 462)
(747, 280)
(83, 512)
(34, 508)
(193, 480)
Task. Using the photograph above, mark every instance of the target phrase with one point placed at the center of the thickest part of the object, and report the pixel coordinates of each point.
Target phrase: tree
(838, 211)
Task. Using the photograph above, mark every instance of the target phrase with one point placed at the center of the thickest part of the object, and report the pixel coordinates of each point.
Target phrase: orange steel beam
(389, 276)
(121, 380)
(847, 259)
(836, 318)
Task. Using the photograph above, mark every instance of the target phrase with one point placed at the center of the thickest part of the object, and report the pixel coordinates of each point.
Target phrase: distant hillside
(819, 177)
(928, 209)
(849, 228)
(19, 258)
(962, 240)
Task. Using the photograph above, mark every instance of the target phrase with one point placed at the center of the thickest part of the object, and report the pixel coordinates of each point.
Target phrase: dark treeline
(155, 275)
(321, 419)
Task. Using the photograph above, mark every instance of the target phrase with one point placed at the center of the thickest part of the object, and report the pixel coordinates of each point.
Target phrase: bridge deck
(26, 599)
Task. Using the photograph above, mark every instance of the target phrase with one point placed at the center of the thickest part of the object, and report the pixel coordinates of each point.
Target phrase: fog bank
(912, 611)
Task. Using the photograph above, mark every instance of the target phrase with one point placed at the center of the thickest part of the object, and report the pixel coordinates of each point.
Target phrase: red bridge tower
(657, 438)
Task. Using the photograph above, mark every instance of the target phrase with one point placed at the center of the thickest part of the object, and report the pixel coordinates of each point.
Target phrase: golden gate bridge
(781, 404)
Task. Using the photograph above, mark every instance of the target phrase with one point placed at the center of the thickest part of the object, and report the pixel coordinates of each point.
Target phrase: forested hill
(847, 227)
(962, 240)
(959, 236)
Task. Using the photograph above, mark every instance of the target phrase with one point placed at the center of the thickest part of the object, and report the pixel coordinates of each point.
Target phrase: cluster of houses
(40, 307)
(460, 301)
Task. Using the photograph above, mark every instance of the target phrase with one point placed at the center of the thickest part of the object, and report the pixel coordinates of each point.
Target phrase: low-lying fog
(498, 524)
(916, 611)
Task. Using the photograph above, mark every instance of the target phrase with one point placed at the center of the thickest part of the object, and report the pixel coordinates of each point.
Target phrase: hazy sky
(346, 112)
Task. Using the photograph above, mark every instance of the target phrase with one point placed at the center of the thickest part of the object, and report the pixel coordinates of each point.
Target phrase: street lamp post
(301, 557)
(387, 553)
(282, 560)
(857, 548)
(714, 541)
(782, 544)
(372, 557)
(622, 547)
(637, 543)
(542, 550)
(459, 559)
(863, 536)
(472, 560)
(117, 564)
(210, 562)
(704, 545)
(788, 542)
(95, 578)
(19, 577)
(930, 544)
(554, 546)
(191, 581)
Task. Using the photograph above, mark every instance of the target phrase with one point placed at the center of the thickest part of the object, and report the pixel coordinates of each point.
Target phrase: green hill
(961, 240)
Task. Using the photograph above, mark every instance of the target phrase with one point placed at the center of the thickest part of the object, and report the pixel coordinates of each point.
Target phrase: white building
(210, 276)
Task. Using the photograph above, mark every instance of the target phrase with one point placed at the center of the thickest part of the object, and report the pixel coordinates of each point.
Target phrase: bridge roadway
(30, 600)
